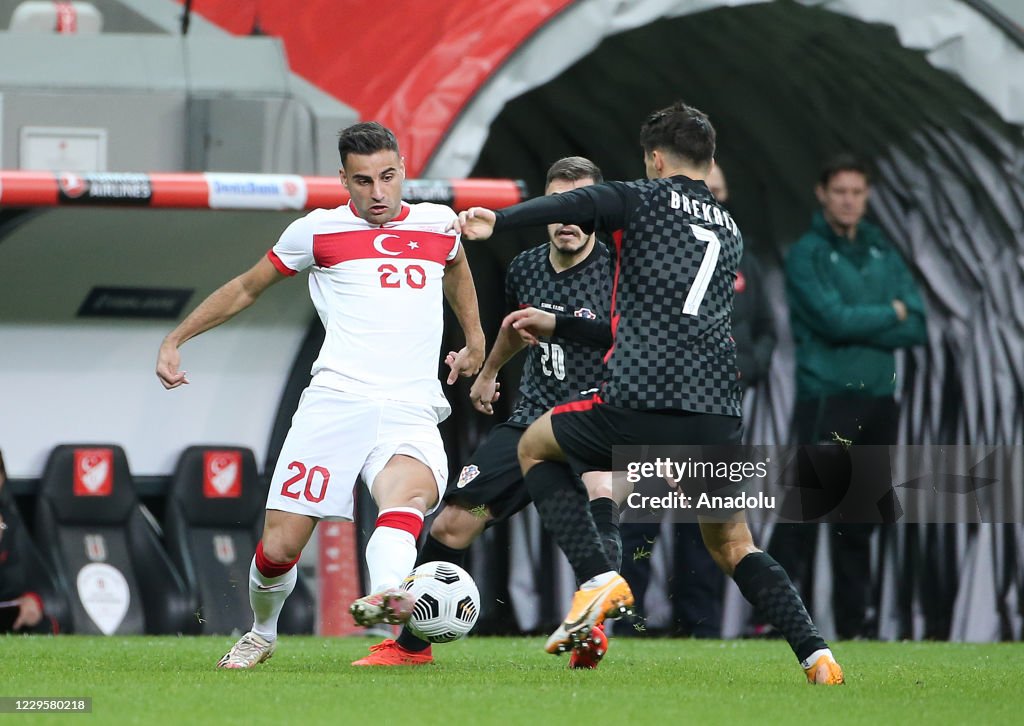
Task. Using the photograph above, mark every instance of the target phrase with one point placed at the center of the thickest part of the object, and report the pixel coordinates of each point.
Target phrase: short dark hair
(367, 137)
(682, 130)
(843, 162)
(574, 168)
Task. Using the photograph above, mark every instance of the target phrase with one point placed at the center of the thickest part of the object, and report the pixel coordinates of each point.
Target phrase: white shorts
(336, 437)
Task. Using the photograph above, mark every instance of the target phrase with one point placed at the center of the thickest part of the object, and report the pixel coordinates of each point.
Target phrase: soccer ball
(447, 601)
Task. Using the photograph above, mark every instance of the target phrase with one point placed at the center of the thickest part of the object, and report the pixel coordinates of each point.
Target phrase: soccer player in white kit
(378, 270)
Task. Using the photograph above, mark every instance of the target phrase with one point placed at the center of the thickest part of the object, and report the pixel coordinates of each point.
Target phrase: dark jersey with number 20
(672, 302)
(558, 369)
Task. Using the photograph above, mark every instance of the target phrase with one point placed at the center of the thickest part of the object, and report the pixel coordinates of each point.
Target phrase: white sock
(598, 580)
(813, 657)
(391, 551)
(267, 596)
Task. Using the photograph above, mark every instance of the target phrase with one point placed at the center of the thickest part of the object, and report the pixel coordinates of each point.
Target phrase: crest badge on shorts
(468, 474)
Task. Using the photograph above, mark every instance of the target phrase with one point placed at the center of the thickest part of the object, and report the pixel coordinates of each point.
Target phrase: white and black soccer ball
(447, 601)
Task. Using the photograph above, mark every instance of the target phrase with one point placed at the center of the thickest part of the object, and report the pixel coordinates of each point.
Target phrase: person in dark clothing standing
(852, 304)
(21, 609)
(671, 375)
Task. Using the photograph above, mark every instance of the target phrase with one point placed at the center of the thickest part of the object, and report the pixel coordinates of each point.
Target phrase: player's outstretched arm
(460, 292)
(223, 304)
(530, 324)
(475, 223)
(592, 332)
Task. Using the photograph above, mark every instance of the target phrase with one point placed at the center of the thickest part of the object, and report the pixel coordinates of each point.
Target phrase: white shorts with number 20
(336, 437)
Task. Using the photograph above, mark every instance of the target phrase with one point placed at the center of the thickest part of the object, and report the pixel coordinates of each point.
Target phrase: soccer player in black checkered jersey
(566, 281)
(671, 371)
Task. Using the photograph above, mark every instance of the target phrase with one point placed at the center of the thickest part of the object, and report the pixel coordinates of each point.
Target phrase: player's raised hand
(475, 223)
(531, 324)
(485, 391)
(466, 363)
(167, 363)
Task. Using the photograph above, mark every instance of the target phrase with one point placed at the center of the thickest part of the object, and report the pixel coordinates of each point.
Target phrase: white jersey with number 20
(378, 291)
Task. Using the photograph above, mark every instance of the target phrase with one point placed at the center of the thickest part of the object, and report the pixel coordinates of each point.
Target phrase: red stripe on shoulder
(280, 266)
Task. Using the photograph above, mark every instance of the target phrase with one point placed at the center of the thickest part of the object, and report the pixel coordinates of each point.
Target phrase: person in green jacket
(852, 303)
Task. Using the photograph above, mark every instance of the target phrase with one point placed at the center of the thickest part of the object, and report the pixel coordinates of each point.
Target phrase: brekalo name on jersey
(710, 213)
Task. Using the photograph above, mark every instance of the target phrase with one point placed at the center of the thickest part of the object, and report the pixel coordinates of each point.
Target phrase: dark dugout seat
(104, 547)
(213, 520)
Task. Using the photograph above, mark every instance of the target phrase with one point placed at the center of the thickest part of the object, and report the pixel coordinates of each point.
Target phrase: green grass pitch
(512, 681)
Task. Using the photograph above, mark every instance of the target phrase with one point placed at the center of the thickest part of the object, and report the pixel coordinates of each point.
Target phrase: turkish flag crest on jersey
(371, 244)
(94, 472)
(222, 474)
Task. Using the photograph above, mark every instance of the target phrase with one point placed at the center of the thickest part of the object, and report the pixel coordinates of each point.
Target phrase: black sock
(606, 518)
(431, 551)
(561, 502)
(767, 587)
(434, 550)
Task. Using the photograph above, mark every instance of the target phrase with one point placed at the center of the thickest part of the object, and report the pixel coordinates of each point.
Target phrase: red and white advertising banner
(232, 191)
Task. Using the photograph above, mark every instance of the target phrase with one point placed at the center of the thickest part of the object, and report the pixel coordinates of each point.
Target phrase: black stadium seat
(213, 520)
(104, 547)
